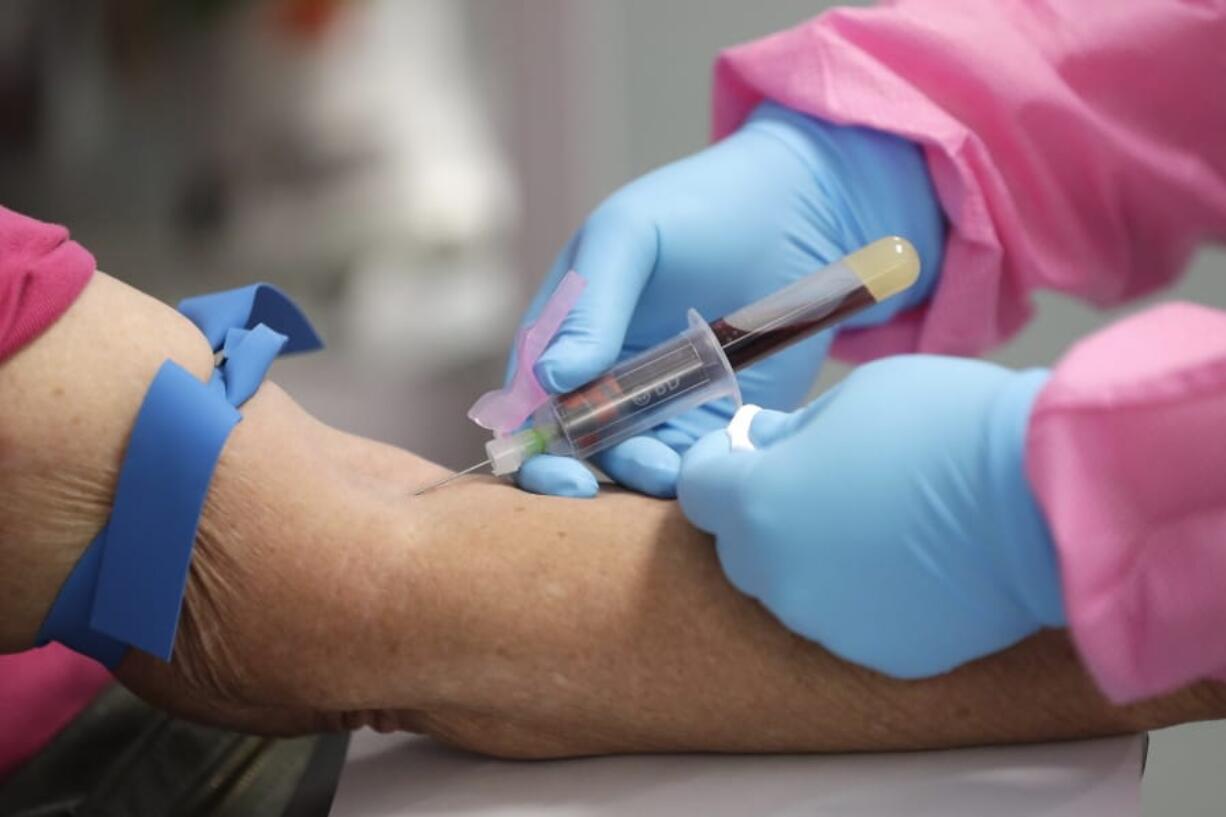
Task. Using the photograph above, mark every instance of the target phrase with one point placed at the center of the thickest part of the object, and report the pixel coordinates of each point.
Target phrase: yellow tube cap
(886, 267)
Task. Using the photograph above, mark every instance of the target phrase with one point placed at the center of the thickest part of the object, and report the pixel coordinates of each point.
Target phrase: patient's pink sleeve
(1075, 145)
(41, 273)
(1126, 451)
(41, 691)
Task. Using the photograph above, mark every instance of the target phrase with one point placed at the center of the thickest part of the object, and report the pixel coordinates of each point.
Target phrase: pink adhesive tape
(504, 410)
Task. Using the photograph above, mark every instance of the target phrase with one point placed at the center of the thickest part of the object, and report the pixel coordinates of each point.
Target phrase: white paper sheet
(406, 776)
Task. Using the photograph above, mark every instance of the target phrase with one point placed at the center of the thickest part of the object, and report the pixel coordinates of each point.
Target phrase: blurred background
(406, 169)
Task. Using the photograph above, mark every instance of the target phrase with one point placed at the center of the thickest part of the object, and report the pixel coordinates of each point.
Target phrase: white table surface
(409, 776)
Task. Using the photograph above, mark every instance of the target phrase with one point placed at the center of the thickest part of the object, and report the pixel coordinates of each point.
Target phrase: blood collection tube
(818, 301)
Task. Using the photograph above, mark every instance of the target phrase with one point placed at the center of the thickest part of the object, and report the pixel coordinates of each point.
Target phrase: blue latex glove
(783, 196)
(891, 520)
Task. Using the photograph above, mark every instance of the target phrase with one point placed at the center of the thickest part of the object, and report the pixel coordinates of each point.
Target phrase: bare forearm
(535, 626)
(607, 626)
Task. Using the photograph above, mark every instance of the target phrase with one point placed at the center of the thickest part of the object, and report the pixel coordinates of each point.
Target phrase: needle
(445, 480)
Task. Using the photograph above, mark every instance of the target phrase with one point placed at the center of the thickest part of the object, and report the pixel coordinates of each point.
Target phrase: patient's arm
(607, 626)
(322, 594)
(528, 625)
(525, 625)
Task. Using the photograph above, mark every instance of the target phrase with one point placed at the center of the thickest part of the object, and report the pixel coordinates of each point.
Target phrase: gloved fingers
(562, 264)
(643, 464)
(771, 427)
(681, 432)
(711, 479)
(676, 437)
(557, 476)
(616, 254)
(711, 495)
(743, 565)
(651, 463)
(768, 427)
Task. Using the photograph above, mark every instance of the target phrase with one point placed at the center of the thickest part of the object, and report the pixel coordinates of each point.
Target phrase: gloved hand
(891, 520)
(783, 196)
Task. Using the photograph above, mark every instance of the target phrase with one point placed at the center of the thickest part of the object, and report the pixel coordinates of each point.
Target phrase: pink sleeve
(41, 691)
(1126, 452)
(1075, 145)
(41, 274)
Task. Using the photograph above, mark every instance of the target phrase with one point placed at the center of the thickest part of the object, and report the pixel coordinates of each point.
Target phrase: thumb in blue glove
(891, 520)
(781, 197)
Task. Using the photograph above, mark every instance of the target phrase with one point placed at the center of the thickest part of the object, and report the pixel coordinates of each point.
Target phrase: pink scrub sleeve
(1126, 451)
(1075, 145)
(41, 273)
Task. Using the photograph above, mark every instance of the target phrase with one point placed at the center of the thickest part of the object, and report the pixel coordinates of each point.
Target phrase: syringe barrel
(697, 366)
(639, 393)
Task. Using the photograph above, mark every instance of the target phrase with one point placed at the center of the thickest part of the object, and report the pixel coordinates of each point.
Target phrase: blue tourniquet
(127, 589)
